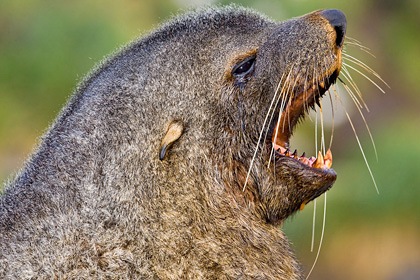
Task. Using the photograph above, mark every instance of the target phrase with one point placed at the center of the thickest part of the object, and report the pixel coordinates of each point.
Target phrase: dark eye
(245, 67)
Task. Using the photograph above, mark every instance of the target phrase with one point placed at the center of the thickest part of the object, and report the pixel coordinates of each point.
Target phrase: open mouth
(296, 107)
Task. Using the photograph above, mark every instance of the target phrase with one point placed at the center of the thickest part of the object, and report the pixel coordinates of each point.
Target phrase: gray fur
(95, 201)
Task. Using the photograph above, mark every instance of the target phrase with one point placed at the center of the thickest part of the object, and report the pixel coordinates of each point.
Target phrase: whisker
(278, 99)
(316, 149)
(345, 73)
(287, 92)
(322, 237)
(332, 117)
(354, 42)
(322, 121)
(260, 137)
(286, 84)
(351, 39)
(358, 142)
(290, 101)
(364, 66)
(316, 116)
(364, 120)
(353, 96)
(316, 130)
(282, 97)
(305, 92)
(277, 126)
(313, 227)
(355, 101)
(369, 79)
(322, 129)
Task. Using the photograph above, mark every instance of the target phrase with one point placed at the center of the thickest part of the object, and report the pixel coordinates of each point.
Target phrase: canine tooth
(303, 205)
(328, 164)
(279, 148)
(328, 159)
(319, 162)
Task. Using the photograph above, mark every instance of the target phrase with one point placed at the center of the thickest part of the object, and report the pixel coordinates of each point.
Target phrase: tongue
(321, 162)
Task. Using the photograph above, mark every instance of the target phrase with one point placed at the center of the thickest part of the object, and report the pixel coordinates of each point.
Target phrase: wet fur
(95, 200)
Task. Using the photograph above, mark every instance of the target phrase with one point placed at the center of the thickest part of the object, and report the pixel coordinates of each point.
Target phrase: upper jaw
(296, 107)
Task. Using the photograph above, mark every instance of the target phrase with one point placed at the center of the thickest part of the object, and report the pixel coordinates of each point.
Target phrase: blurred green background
(47, 46)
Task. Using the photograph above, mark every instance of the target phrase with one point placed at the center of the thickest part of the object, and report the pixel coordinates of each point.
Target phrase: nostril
(337, 20)
(341, 32)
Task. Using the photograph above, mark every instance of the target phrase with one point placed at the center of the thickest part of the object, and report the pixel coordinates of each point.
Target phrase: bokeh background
(47, 46)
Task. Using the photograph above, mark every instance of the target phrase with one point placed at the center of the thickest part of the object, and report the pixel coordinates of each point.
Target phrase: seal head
(282, 79)
(171, 160)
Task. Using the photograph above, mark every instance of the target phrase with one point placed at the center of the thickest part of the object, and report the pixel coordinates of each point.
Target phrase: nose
(337, 20)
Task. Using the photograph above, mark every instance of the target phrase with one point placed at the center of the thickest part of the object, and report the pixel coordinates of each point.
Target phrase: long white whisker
(305, 92)
(313, 227)
(369, 79)
(363, 118)
(354, 42)
(282, 98)
(358, 44)
(364, 66)
(316, 149)
(349, 78)
(322, 123)
(360, 145)
(350, 91)
(278, 99)
(290, 101)
(322, 236)
(332, 117)
(316, 131)
(259, 140)
(277, 125)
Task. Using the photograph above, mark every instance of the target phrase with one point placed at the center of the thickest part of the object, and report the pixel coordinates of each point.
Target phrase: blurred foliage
(47, 46)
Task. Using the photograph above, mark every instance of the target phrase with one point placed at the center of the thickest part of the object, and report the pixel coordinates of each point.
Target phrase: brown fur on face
(304, 58)
(115, 191)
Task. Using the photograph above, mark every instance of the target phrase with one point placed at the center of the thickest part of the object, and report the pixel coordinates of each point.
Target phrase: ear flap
(174, 131)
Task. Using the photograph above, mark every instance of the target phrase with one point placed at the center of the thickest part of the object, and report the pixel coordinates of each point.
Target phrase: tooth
(279, 148)
(286, 153)
(295, 154)
(311, 161)
(328, 159)
(303, 205)
(319, 162)
(305, 161)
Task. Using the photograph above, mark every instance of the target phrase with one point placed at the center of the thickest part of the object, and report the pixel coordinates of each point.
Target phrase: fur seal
(158, 167)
